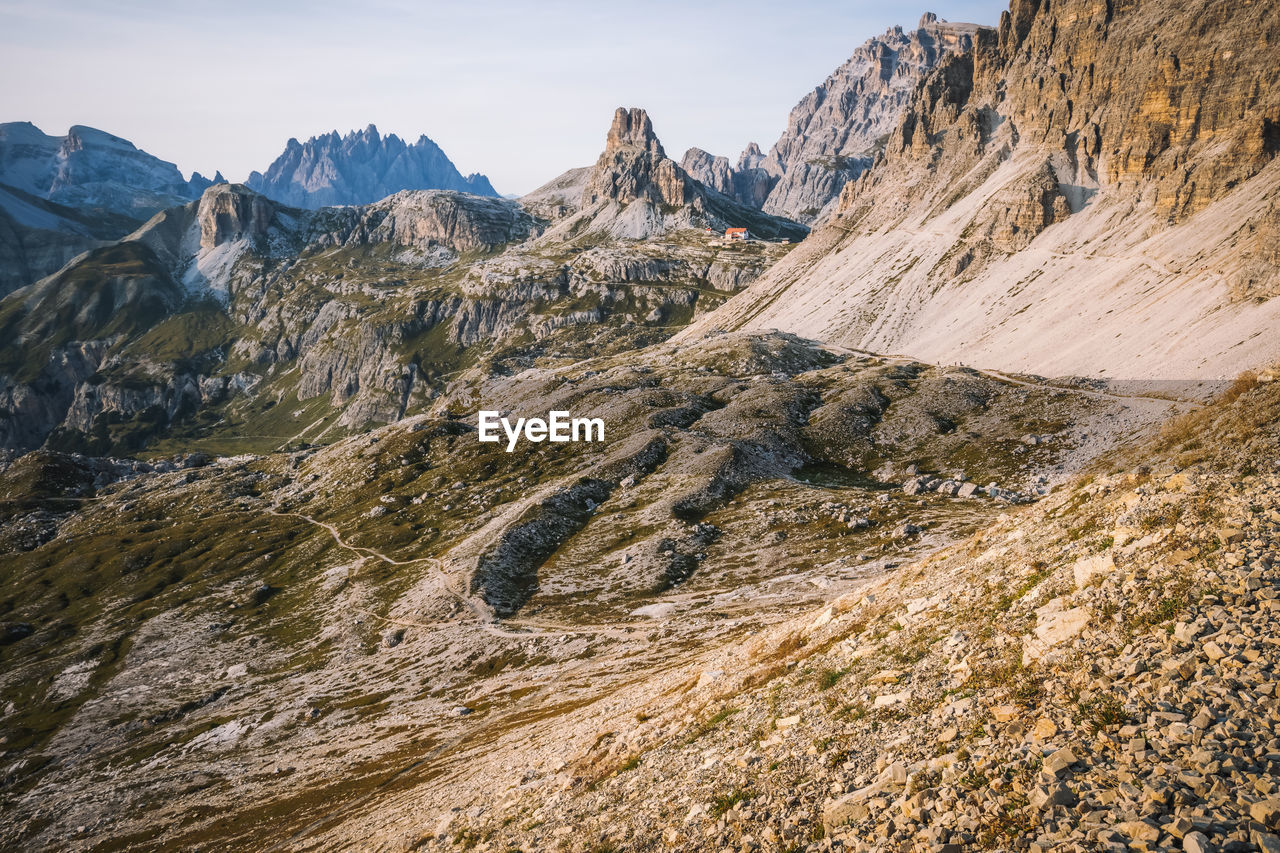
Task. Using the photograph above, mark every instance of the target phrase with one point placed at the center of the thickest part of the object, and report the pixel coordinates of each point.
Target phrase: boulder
(1087, 568)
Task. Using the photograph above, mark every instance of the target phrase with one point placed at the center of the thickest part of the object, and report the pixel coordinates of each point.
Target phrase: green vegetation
(706, 726)
(117, 290)
(1100, 712)
(724, 802)
(829, 677)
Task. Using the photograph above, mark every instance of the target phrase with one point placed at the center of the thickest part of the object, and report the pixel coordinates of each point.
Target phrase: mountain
(360, 168)
(266, 585)
(89, 168)
(635, 191)
(235, 309)
(835, 132)
(37, 237)
(1078, 194)
(62, 196)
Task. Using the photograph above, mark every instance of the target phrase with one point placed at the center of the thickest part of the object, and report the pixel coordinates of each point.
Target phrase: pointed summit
(634, 166)
(360, 168)
(632, 129)
(751, 157)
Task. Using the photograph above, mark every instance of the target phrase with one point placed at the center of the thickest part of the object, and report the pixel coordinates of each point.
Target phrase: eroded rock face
(710, 170)
(748, 183)
(634, 166)
(631, 128)
(1096, 86)
(228, 213)
(833, 134)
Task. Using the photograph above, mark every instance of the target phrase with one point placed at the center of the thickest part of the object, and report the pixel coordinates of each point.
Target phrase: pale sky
(518, 91)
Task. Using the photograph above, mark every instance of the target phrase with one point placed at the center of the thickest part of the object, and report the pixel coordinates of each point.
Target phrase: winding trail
(520, 630)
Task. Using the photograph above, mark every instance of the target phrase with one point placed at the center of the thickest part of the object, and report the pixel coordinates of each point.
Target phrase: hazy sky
(519, 91)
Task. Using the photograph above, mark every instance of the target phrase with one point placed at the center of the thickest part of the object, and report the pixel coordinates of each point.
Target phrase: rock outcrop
(635, 191)
(709, 170)
(1077, 194)
(360, 168)
(227, 214)
(835, 131)
(748, 183)
(634, 166)
(426, 219)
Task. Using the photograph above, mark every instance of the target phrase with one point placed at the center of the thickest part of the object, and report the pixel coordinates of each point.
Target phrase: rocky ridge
(834, 134)
(361, 167)
(89, 168)
(1071, 145)
(635, 191)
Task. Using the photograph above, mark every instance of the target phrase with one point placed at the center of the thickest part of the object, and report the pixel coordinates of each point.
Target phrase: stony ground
(331, 667)
(220, 651)
(1096, 672)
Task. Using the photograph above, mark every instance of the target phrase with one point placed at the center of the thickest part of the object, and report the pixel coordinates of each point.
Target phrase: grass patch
(724, 802)
(711, 722)
(828, 678)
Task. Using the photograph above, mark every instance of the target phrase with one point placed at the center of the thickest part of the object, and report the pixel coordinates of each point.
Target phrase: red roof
(735, 231)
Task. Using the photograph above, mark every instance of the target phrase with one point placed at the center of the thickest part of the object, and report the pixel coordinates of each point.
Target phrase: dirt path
(1011, 379)
(521, 629)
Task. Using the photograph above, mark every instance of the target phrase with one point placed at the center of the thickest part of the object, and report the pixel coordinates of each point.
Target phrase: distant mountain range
(94, 170)
(360, 168)
(90, 168)
(61, 196)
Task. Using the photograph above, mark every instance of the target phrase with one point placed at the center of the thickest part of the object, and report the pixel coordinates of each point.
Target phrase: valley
(934, 505)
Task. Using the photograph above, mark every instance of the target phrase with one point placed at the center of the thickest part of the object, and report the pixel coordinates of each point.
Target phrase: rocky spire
(634, 166)
(751, 156)
(632, 129)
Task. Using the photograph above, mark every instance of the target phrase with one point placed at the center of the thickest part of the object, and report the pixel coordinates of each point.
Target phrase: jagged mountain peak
(751, 156)
(834, 132)
(360, 168)
(632, 129)
(634, 166)
(635, 191)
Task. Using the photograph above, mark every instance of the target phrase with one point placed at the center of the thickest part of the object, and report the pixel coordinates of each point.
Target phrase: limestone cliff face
(226, 214)
(1110, 165)
(709, 169)
(634, 166)
(833, 134)
(635, 191)
(1112, 95)
(747, 183)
